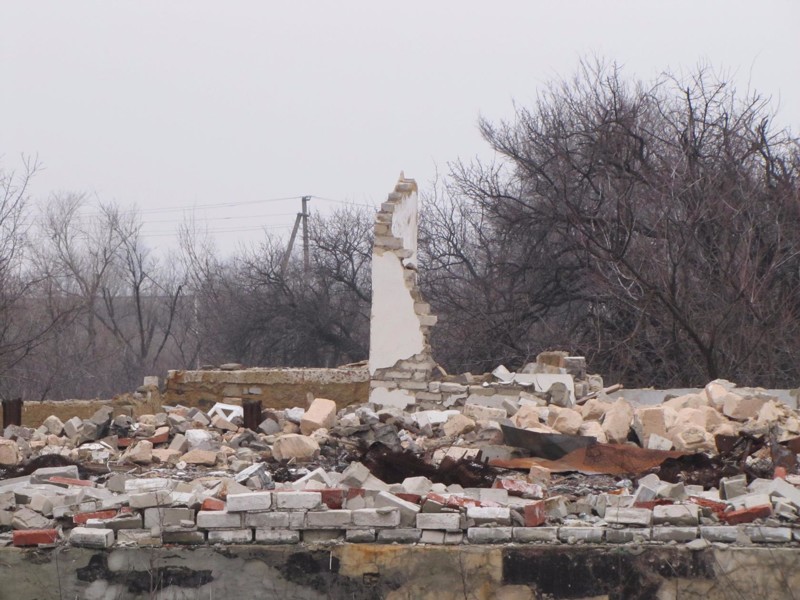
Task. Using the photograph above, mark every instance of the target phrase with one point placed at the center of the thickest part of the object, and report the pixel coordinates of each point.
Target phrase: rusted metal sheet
(562, 453)
(551, 446)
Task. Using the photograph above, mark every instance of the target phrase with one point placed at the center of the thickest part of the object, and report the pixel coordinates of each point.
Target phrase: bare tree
(680, 198)
(26, 315)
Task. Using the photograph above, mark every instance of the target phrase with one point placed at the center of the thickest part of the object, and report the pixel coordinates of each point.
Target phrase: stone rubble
(182, 477)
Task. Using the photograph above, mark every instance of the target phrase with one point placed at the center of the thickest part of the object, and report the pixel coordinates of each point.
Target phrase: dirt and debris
(507, 453)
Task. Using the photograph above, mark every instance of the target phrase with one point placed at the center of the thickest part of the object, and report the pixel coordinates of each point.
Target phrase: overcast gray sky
(173, 104)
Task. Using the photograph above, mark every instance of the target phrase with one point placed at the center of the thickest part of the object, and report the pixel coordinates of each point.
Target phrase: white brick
(768, 535)
(445, 521)
(277, 536)
(218, 519)
(525, 535)
(376, 517)
(581, 534)
(91, 538)
(489, 514)
(230, 536)
(150, 499)
(674, 534)
(408, 510)
(640, 517)
(489, 535)
(268, 520)
(687, 515)
(297, 500)
(252, 501)
(329, 519)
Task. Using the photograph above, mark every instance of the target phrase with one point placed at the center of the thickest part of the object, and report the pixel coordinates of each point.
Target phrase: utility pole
(301, 217)
(306, 260)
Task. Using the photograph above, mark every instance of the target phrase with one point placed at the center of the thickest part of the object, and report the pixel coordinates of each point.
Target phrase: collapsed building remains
(511, 485)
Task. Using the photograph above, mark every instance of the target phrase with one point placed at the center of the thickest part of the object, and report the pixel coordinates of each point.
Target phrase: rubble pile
(539, 456)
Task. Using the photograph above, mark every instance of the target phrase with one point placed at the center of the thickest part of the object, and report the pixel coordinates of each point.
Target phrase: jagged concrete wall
(400, 360)
(363, 571)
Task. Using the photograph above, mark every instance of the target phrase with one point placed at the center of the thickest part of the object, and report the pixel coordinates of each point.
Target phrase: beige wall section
(276, 388)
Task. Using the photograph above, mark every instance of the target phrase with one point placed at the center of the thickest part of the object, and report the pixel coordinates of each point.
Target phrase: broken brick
(33, 537)
(212, 504)
(81, 518)
(535, 514)
(746, 515)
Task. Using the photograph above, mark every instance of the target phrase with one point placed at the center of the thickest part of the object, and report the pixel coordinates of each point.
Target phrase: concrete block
(674, 534)
(730, 487)
(682, 515)
(293, 445)
(441, 521)
(355, 475)
(251, 501)
(500, 515)
(277, 536)
(321, 414)
(329, 519)
(376, 517)
(297, 500)
(489, 535)
(784, 489)
(721, 533)
(322, 536)
(43, 475)
(218, 519)
(360, 536)
(150, 499)
(527, 535)
(187, 537)
(591, 535)
(230, 536)
(627, 536)
(167, 517)
(138, 537)
(403, 535)
(268, 520)
(637, 517)
(768, 535)
(408, 510)
(91, 538)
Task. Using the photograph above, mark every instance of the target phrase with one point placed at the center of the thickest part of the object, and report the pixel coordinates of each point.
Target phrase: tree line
(650, 226)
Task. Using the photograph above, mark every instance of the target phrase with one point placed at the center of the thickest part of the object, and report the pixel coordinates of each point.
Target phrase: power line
(345, 202)
(201, 206)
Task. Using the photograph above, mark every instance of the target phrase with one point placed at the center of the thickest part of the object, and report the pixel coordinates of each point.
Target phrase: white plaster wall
(394, 326)
(395, 398)
(404, 225)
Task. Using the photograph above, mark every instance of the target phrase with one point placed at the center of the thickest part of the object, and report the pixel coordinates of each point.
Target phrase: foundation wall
(396, 572)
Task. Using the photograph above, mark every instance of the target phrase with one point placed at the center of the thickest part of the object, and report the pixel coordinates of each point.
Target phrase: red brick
(212, 504)
(746, 515)
(81, 518)
(780, 473)
(534, 514)
(456, 501)
(161, 438)
(32, 537)
(517, 487)
(124, 442)
(717, 507)
(68, 481)
(355, 493)
(333, 498)
(413, 498)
